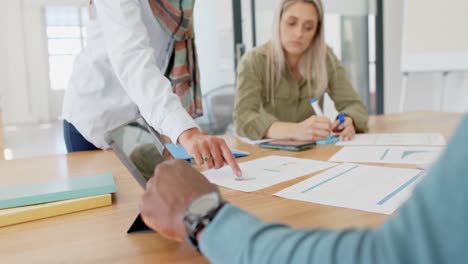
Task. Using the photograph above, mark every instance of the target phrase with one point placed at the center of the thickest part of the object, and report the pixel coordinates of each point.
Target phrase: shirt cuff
(175, 123)
(220, 240)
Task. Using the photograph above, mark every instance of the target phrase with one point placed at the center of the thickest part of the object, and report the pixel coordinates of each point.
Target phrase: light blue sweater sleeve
(430, 228)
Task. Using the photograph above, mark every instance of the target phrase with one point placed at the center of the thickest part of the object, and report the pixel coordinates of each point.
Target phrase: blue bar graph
(399, 189)
(384, 154)
(327, 180)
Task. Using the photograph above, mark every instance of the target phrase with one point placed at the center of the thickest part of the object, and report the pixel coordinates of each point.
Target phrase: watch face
(204, 204)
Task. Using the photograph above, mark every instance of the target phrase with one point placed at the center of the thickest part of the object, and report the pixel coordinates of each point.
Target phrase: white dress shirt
(121, 74)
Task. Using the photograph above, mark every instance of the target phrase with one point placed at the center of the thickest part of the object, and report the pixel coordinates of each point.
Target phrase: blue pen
(341, 119)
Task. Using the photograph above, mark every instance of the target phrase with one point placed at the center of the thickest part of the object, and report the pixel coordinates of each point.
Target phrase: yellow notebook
(34, 212)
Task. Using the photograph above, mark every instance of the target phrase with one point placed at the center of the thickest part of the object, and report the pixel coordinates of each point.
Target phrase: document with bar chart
(396, 139)
(395, 155)
(368, 188)
(265, 172)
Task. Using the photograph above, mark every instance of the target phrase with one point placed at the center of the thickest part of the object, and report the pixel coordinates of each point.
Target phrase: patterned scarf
(176, 18)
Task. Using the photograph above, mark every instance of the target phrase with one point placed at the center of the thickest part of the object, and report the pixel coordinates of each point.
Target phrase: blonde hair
(312, 65)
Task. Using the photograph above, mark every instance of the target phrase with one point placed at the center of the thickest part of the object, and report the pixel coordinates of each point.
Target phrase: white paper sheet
(401, 155)
(368, 188)
(403, 139)
(424, 166)
(265, 172)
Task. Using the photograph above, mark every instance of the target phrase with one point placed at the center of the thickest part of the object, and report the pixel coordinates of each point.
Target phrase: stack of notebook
(29, 202)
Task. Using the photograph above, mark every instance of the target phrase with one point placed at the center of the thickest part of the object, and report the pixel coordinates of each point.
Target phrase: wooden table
(99, 235)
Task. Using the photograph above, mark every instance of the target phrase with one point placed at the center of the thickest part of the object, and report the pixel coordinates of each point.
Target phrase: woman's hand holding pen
(207, 150)
(313, 128)
(346, 129)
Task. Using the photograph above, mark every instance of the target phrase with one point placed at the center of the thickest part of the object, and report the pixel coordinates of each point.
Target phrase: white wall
(439, 44)
(24, 79)
(14, 81)
(3, 66)
(422, 87)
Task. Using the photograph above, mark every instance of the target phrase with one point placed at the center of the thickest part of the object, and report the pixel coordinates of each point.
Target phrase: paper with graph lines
(368, 188)
(265, 172)
(396, 155)
(396, 139)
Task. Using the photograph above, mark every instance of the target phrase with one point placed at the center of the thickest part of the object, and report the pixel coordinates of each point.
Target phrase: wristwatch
(200, 213)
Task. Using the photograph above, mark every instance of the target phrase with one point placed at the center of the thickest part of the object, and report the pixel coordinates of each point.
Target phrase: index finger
(229, 158)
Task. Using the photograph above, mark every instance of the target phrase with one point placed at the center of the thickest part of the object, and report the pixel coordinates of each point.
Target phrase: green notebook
(57, 190)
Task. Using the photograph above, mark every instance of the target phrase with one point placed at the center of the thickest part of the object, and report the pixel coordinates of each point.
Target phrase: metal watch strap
(204, 221)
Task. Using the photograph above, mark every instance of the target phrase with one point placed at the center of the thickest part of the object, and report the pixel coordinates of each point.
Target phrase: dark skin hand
(168, 194)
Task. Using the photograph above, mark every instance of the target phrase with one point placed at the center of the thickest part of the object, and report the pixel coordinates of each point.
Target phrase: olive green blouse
(254, 114)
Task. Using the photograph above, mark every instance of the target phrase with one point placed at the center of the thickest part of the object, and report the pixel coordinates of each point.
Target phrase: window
(66, 37)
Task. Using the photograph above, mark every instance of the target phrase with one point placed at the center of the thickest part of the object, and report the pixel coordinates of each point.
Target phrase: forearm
(242, 238)
(251, 123)
(281, 130)
(359, 115)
